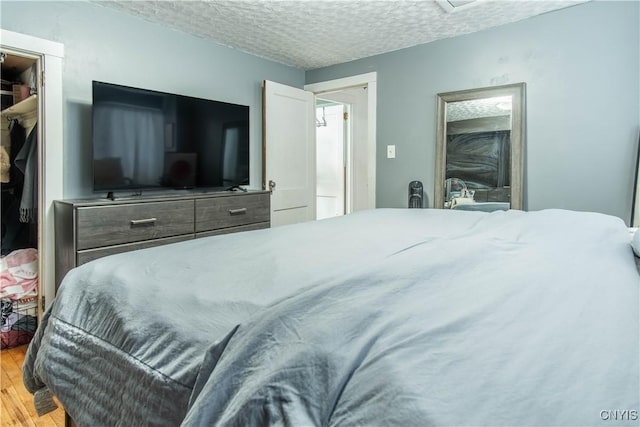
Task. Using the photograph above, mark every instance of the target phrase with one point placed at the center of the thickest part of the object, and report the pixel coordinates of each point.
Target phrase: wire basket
(19, 321)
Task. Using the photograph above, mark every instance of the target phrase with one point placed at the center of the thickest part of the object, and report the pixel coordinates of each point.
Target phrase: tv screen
(145, 139)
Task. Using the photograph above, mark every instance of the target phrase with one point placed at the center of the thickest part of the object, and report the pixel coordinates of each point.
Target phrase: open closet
(29, 188)
(19, 176)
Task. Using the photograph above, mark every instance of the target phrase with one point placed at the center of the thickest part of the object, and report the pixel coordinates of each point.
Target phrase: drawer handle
(143, 221)
(237, 211)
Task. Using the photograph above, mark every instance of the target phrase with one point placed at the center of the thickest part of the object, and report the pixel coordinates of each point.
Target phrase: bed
(381, 317)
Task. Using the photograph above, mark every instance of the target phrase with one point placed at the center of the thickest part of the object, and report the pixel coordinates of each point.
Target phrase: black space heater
(415, 194)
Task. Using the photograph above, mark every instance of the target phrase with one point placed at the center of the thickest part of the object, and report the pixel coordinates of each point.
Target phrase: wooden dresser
(90, 229)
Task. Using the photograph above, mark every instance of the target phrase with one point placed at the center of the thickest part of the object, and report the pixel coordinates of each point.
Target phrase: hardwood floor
(17, 403)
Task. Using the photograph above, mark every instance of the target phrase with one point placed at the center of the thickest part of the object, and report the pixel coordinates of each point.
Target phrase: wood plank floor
(17, 403)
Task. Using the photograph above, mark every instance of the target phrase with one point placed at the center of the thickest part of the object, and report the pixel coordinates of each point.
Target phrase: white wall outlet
(391, 151)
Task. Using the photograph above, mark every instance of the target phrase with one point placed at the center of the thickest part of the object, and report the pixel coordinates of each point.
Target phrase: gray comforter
(386, 317)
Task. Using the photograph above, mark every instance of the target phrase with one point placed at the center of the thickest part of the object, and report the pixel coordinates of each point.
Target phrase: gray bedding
(385, 317)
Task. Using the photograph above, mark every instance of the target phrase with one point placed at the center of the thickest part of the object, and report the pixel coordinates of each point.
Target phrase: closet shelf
(25, 106)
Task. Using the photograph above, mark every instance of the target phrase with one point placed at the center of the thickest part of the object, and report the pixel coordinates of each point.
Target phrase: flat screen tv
(145, 139)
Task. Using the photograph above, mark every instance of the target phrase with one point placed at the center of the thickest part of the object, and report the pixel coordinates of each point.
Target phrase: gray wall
(107, 45)
(581, 66)
(582, 69)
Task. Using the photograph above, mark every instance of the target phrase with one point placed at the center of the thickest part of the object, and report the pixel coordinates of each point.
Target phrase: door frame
(49, 56)
(370, 81)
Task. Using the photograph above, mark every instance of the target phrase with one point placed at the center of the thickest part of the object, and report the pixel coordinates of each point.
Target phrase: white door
(289, 152)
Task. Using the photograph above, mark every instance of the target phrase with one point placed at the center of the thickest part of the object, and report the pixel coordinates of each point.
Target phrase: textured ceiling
(310, 34)
(478, 108)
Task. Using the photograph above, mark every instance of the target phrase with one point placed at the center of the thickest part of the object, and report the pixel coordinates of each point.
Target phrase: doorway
(18, 182)
(289, 146)
(47, 57)
(332, 153)
(353, 98)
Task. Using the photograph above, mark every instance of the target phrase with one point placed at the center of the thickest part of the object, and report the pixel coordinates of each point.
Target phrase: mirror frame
(635, 205)
(517, 137)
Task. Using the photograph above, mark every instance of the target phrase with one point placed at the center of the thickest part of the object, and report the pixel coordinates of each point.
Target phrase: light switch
(391, 151)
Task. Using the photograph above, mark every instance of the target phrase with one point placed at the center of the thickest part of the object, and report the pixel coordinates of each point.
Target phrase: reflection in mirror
(478, 154)
(480, 149)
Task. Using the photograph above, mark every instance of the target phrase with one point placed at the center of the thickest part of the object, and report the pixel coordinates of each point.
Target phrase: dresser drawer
(229, 230)
(98, 226)
(90, 254)
(223, 212)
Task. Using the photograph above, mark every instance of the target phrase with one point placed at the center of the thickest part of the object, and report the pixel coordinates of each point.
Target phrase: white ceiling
(478, 108)
(310, 34)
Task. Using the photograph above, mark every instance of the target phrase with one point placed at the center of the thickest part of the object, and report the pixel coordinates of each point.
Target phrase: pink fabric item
(14, 338)
(19, 274)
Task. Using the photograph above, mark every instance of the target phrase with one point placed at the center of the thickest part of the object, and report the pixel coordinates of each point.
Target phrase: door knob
(272, 186)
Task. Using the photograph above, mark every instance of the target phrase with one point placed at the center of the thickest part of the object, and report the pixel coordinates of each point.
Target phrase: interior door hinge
(345, 115)
(42, 302)
(42, 78)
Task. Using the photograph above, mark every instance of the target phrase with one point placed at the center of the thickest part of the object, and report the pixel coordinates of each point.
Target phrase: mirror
(480, 148)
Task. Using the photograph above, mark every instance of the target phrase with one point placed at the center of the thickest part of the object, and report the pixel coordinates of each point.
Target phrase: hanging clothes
(5, 165)
(27, 162)
(17, 138)
(17, 234)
